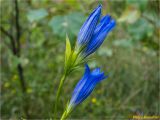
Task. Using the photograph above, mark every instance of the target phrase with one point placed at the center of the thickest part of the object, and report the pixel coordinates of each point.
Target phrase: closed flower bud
(92, 34)
(99, 35)
(89, 26)
(85, 86)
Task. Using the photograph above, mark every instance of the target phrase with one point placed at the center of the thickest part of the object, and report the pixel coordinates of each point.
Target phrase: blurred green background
(130, 55)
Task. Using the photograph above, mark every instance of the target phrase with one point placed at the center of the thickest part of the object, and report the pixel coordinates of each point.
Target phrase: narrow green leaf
(74, 57)
(68, 49)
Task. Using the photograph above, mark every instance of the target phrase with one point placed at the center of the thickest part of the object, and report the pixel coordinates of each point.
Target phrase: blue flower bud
(89, 26)
(86, 85)
(104, 21)
(100, 33)
(91, 35)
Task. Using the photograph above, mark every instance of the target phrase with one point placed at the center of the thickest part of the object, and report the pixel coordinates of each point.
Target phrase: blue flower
(89, 26)
(92, 34)
(100, 33)
(86, 85)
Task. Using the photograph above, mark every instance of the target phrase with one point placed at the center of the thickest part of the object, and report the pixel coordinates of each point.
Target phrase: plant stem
(18, 29)
(11, 38)
(66, 113)
(64, 116)
(58, 93)
(18, 53)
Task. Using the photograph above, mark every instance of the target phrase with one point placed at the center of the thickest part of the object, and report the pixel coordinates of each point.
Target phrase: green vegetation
(30, 75)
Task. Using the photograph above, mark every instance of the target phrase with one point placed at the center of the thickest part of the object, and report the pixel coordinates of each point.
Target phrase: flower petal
(99, 37)
(104, 21)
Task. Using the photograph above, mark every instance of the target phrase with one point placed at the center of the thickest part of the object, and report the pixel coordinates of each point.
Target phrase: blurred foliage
(130, 55)
(69, 23)
(35, 15)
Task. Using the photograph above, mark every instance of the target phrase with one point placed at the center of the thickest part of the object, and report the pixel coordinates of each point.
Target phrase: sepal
(72, 57)
(68, 50)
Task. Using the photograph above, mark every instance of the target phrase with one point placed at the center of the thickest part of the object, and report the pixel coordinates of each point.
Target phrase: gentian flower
(89, 26)
(92, 34)
(90, 38)
(85, 86)
(99, 36)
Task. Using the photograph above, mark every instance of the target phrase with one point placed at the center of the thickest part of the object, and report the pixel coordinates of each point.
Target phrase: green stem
(66, 114)
(68, 68)
(58, 93)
